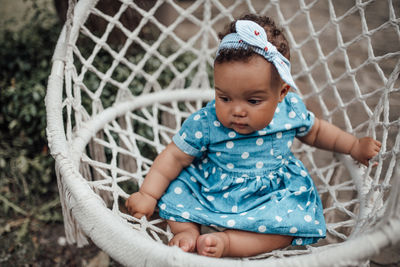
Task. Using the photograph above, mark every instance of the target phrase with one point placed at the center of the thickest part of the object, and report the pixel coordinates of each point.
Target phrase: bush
(26, 169)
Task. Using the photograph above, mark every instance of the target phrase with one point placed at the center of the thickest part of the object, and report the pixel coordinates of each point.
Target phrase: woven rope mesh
(345, 60)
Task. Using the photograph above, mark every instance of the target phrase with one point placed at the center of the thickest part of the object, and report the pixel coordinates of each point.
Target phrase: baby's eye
(224, 98)
(254, 101)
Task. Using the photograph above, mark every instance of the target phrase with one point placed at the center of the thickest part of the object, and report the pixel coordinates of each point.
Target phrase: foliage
(25, 167)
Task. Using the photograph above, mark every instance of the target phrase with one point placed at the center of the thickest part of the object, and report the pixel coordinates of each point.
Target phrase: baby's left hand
(365, 149)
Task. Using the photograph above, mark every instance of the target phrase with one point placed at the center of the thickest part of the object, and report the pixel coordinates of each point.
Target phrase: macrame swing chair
(119, 91)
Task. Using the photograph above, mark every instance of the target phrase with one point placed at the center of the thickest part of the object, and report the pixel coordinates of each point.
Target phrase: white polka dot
(303, 188)
(180, 206)
(262, 228)
(218, 154)
(320, 232)
(172, 219)
(245, 155)
(178, 190)
(259, 165)
(288, 126)
(262, 132)
(250, 218)
(289, 144)
(232, 134)
(206, 189)
(230, 166)
(229, 144)
(303, 116)
(197, 117)
(231, 223)
(299, 241)
(263, 187)
(225, 187)
(288, 175)
(293, 230)
(262, 208)
(279, 135)
(163, 206)
(234, 209)
(243, 213)
(308, 218)
(198, 135)
(302, 129)
(210, 198)
(308, 204)
(292, 114)
(214, 170)
(183, 135)
(226, 195)
(223, 176)
(303, 173)
(272, 122)
(193, 179)
(243, 189)
(277, 110)
(223, 216)
(300, 207)
(239, 180)
(217, 123)
(294, 100)
(198, 208)
(259, 141)
(278, 180)
(278, 218)
(271, 175)
(186, 215)
(205, 160)
(206, 174)
(289, 211)
(316, 222)
(271, 151)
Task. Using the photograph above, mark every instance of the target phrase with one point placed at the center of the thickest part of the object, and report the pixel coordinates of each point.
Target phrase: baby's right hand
(140, 204)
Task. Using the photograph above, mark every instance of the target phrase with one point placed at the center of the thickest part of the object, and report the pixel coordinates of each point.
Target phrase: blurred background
(31, 226)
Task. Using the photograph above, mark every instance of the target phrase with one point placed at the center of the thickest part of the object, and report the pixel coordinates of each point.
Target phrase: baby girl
(230, 166)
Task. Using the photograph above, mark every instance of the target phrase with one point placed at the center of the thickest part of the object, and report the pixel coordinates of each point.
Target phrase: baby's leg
(185, 235)
(236, 243)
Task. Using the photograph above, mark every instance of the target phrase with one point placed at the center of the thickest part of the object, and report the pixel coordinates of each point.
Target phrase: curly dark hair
(275, 36)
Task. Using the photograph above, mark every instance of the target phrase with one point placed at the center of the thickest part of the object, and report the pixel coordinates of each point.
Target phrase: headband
(250, 34)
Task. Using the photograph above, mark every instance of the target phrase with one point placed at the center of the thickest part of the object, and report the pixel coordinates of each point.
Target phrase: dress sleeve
(193, 137)
(305, 117)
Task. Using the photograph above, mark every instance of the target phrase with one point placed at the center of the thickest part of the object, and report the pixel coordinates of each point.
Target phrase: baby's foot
(212, 245)
(185, 240)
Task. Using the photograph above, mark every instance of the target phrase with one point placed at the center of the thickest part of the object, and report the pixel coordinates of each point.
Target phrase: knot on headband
(250, 34)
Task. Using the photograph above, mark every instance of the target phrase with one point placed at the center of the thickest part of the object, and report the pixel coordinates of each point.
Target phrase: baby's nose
(239, 111)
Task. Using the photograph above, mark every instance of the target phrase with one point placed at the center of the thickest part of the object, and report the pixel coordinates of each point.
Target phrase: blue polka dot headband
(250, 34)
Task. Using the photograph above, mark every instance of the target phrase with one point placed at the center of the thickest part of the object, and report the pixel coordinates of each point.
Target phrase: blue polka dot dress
(249, 182)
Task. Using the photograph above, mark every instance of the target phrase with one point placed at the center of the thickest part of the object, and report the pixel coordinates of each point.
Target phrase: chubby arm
(166, 167)
(327, 136)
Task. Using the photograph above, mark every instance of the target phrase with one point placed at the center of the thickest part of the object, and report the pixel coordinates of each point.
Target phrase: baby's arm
(327, 136)
(166, 167)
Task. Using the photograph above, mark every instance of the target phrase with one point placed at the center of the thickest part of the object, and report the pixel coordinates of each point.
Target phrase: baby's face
(246, 94)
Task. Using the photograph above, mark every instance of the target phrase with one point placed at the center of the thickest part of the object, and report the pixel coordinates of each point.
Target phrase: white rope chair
(117, 93)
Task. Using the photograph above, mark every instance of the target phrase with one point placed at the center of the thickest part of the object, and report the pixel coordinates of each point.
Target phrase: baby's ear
(283, 91)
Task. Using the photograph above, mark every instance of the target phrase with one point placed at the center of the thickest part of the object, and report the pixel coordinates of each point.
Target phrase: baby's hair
(274, 35)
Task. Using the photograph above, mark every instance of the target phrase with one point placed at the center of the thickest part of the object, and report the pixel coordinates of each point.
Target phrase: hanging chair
(124, 77)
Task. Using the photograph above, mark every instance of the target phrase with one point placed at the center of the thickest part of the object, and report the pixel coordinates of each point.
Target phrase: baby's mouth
(239, 125)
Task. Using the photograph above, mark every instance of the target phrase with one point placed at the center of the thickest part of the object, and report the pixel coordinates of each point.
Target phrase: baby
(230, 165)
